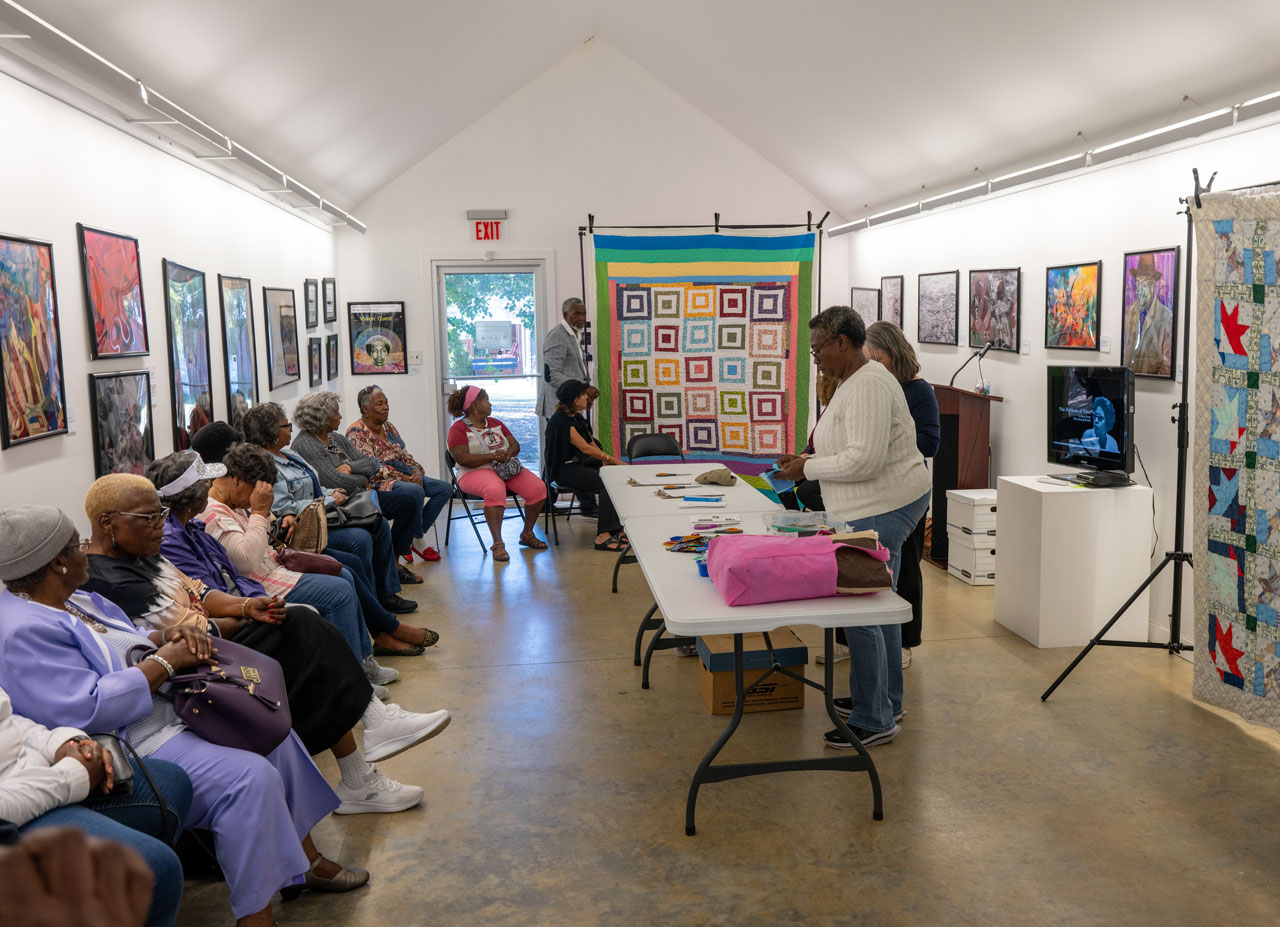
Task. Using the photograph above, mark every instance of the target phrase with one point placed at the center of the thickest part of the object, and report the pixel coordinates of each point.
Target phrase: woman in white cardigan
(872, 476)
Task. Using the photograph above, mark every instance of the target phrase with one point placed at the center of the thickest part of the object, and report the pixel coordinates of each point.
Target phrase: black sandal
(614, 545)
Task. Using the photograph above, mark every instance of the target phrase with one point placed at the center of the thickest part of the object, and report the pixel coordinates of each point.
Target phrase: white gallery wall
(63, 167)
(595, 134)
(1097, 214)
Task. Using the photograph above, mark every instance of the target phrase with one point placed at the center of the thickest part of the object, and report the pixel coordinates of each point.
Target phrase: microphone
(979, 354)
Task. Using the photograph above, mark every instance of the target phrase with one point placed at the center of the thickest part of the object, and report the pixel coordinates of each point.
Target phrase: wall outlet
(1104, 343)
(415, 358)
(1026, 346)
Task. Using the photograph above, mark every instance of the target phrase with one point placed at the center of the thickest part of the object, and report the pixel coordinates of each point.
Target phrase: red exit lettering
(487, 231)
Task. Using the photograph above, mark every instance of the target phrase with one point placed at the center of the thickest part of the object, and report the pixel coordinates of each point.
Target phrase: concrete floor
(557, 794)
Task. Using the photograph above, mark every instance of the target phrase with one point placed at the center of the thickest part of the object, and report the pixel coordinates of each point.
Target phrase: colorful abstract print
(705, 338)
(1238, 399)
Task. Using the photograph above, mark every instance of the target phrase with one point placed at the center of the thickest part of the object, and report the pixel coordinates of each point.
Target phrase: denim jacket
(296, 485)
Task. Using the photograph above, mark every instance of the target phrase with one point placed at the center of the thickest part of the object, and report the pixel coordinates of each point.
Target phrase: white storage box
(971, 559)
(972, 511)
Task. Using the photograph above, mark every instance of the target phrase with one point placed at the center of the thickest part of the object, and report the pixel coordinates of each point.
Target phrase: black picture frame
(109, 263)
(311, 297)
(28, 263)
(186, 319)
(891, 299)
(865, 301)
(981, 284)
(368, 322)
(941, 315)
(329, 298)
(1128, 311)
(280, 316)
(123, 434)
(331, 357)
(1057, 335)
(315, 361)
(239, 346)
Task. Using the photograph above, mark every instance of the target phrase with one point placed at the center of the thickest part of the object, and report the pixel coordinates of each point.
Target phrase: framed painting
(311, 296)
(377, 337)
(122, 437)
(187, 322)
(282, 337)
(331, 357)
(866, 302)
(35, 394)
(239, 349)
(1150, 312)
(315, 361)
(112, 275)
(938, 308)
(995, 309)
(891, 300)
(329, 296)
(1072, 297)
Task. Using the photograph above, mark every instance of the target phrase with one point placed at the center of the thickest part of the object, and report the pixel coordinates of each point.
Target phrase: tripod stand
(1177, 557)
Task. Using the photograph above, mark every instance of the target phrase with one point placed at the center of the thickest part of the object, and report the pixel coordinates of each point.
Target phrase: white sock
(354, 768)
(374, 714)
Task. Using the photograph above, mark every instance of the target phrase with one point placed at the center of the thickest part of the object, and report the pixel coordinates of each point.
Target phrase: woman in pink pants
(488, 463)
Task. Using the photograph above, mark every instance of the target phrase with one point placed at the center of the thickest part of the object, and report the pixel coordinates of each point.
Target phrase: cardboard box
(777, 692)
(972, 511)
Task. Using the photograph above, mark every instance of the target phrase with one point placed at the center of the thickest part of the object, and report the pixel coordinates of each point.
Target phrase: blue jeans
(372, 612)
(334, 597)
(431, 498)
(376, 554)
(875, 653)
(134, 820)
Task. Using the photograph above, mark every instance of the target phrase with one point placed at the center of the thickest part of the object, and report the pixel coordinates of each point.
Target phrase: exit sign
(488, 231)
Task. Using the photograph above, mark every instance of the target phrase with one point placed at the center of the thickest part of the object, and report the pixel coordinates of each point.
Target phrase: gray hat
(30, 537)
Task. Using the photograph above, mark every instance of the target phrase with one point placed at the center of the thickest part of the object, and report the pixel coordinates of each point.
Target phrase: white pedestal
(1068, 558)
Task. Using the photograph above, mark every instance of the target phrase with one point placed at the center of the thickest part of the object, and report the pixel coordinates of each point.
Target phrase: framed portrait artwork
(35, 395)
(187, 322)
(282, 337)
(995, 309)
(1150, 312)
(112, 275)
(891, 300)
(239, 350)
(866, 302)
(1072, 296)
(314, 361)
(377, 337)
(122, 436)
(331, 357)
(329, 296)
(311, 296)
(939, 308)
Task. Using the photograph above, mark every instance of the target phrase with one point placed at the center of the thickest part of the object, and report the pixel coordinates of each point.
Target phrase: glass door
(490, 340)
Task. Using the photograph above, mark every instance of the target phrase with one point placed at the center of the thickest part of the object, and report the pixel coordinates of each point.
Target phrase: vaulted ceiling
(864, 102)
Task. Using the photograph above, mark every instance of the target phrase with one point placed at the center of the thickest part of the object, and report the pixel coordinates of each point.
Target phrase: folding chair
(549, 511)
(476, 518)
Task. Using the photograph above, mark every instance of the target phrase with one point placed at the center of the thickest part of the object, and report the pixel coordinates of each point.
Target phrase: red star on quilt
(1232, 328)
(1227, 652)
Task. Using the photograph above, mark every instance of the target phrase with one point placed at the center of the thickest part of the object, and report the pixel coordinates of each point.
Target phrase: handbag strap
(169, 830)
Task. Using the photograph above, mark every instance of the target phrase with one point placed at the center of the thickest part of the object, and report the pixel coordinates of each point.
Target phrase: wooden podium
(963, 460)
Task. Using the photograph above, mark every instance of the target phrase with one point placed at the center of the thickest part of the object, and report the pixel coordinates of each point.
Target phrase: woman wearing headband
(477, 442)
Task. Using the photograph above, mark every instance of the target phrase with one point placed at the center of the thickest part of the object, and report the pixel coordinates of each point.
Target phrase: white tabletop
(630, 501)
(692, 606)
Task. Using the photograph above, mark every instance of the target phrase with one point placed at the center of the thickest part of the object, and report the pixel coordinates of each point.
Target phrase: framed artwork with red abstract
(113, 293)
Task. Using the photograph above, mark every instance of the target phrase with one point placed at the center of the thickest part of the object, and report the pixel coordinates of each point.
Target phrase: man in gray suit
(563, 360)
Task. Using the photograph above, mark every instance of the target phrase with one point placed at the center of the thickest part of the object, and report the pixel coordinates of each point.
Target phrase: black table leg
(659, 642)
(646, 624)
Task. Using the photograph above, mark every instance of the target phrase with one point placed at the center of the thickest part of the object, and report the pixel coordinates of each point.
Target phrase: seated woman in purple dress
(63, 663)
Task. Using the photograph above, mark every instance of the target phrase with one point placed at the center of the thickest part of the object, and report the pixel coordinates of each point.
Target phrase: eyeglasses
(816, 350)
(154, 519)
(288, 425)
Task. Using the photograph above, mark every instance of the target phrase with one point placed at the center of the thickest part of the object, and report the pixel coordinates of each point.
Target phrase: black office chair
(654, 444)
(476, 518)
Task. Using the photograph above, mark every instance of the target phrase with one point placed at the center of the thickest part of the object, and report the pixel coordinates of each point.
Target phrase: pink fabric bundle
(749, 569)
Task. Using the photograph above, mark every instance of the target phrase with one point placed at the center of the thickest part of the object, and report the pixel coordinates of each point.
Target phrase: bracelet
(244, 606)
(167, 666)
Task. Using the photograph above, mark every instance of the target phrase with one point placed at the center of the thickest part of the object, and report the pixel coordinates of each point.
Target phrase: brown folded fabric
(722, 476)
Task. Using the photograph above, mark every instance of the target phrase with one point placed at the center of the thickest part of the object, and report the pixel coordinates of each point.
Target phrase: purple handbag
(239, 701)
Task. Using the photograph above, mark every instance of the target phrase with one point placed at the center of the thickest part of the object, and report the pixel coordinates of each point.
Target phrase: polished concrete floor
(557, 794)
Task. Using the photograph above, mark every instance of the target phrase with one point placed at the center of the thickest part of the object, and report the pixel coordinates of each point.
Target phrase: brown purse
(311, 532)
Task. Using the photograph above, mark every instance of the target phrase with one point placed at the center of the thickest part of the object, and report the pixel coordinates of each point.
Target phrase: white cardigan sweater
(30, 782)
(865, 453)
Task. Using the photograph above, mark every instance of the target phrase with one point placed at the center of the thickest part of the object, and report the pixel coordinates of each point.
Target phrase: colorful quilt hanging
(705, 338)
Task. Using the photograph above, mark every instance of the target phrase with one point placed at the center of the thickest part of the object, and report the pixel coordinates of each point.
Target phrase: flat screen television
(1091, 417)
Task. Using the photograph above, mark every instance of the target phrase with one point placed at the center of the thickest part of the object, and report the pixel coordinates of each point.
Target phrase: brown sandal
(529, 539)
(500, 554)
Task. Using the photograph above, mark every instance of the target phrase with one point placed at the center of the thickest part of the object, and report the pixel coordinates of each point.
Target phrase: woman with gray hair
(872, 476)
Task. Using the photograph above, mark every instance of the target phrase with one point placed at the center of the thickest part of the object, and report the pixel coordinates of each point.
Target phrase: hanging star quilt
(706, 338)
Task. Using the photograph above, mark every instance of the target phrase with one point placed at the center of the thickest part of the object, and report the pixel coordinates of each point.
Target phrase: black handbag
(359, 511)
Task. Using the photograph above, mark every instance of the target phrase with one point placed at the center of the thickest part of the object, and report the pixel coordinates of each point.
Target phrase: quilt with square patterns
(705, 338)
(1237, 455)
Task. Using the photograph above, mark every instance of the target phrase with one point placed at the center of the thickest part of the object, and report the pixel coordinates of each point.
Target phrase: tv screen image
(1091, 417)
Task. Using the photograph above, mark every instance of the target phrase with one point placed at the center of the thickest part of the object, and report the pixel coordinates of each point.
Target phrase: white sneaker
(379, 795)
(906, 657)
(378, 674)
(839, 653)
(401, 730)
(380, 692)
